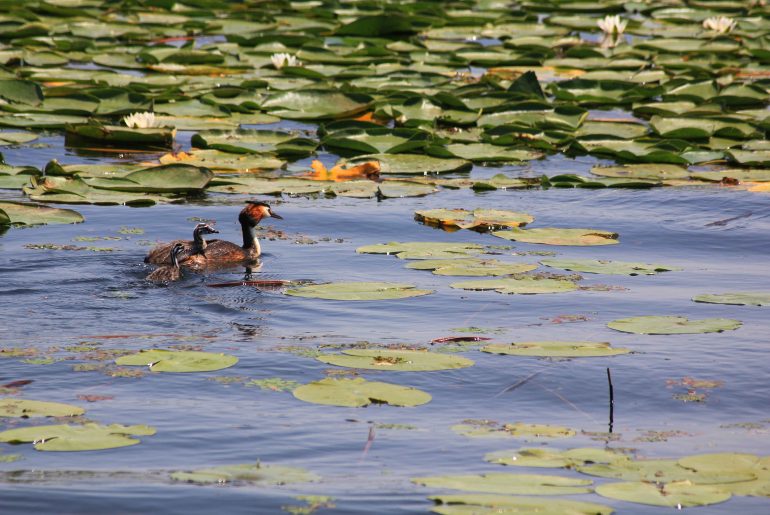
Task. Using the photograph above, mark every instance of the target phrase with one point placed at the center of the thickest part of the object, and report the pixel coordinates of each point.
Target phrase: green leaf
(395, 360)
(516, 430)
(471, 267)
(260, 474)
(672, 495)
(171, 178)
(673, 325)
(597, 266)
(479, 219)
(503, 483)
(422, 249)
(22, 408)
(484, 152)
(490, 504)
(84, 135)
(556, 236)
(742, 175)
(23, 213)
(88, 437)
(561, 349)
(315, 105)
(21, 91)
(522, 285)
(358, 291)
(413, 164)
(356, 393)
(747, 298)
(552, 458)
(642, 171)
(178, 361)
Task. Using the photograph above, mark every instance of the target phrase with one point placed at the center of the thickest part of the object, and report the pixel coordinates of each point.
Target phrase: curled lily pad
(746, 298)
(520, 285)
(516, 430)
(88, 437)
(479, 219)
(178, 361)
(554, 236)
(673, 325)
(597, 266)
(24, 213)
(422, 249)
(503, 483)
(251, 473)
(490, 504)
(552, 458)
(23, 408)
(86, 134)
(674, 495)
(356, 393)
(559, 349)
(358, 291)
(396, 360)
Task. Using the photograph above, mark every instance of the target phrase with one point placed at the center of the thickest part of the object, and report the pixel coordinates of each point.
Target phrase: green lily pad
(20, 213)
(479, 219)
(356, 393)
(395, 360)
(673, 325)
(315, 105)
(88, 437)
(88, 133)
(485, 152)
(21, 91)
(422, 249)
(503, 483)
(551, 458)
(226, 162)
(358, 291)
(666, 471)
(472, 267)
(23, 408)
(16, 137)
(521, 285)
(742, 175)
(561, 349)
(178, 361)
(413, 164)
(642, 171)
(516, 430)
(747, 298)
(172, 178)
(260, 474)
(554, 236)
(674, 495)
(250, 141)
(596, 266)
(490, 504)
(74, 190)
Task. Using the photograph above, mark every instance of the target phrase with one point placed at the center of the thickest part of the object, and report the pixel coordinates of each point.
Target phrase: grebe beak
(274, 215)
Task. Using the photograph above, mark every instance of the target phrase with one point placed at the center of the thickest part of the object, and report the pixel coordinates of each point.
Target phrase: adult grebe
(221, 251)
(168, 272)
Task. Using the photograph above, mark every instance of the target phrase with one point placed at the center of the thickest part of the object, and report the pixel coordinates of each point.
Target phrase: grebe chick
(194, 249)
(221, 251)
(168, 272)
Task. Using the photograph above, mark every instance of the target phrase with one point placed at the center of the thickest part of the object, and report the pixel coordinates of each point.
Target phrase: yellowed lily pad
(358, 291)
(504, 483)
(250, 473)
(552, 458)
(471, 267)
(395, 360)
(555, 236)
(491, 504)
(515, 430)
(356, 393)
(561, 349)
(520, 285)
(88, 437)
(674, 495)
(478, 219)
(178, 361)
(23, 408)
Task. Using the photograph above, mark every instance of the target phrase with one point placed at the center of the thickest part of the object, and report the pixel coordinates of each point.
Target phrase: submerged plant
(144, 120)
(719, 24)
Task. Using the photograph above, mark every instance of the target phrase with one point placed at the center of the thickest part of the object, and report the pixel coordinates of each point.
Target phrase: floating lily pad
(485, 152)
(171, 178)
(503, 483)
(552, 458)
(554, 236)
(422, 249)
(396, 360)
(471, 267)
(88, 437)
(673, 325)
(521, 285)
(23, 408)
(480, 219)
(414, 164)
(747, 298)
(356, 393)
(596, 266)
(358, 291)
(260, 474)
(490, 504)
(178, 361)
(553, 349)
(516, 430)
(20, 213)
(86, 134)
(674, 495)
(642, 171)
(315, 105)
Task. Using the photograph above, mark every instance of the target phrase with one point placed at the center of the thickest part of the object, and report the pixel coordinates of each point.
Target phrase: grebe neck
(250, 240)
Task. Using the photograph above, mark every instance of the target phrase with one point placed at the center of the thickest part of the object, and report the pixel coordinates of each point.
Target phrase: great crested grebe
(167, 273)
(194, 249)
(221, 251)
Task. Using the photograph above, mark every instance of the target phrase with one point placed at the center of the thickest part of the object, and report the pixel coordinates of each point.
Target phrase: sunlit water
(55, 298)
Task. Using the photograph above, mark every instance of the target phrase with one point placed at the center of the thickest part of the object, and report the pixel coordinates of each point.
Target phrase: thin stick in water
(612, 399)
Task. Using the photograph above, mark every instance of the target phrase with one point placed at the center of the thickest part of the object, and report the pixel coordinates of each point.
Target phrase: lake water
(57, 300)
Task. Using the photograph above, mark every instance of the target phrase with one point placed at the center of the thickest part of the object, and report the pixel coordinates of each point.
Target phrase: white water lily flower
(612, 24)
(284, 59)
(140, 120)
(720, 24)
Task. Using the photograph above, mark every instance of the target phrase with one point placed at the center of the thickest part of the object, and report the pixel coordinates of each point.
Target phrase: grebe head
(176, 251)
(255, 211)
(204, 229)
